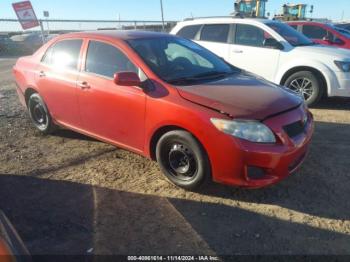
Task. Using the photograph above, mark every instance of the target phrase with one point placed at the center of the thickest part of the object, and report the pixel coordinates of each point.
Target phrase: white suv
(276, 52)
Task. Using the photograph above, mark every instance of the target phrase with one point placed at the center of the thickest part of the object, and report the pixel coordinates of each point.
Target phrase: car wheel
(183, 160)
(40, 115)
(307, 84)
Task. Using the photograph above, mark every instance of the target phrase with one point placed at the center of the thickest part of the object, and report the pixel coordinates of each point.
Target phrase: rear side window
(106, 60)
(294, 26)
(215, 33)
(314, 32)
(250, 35)
(189, 32)
(64, 54)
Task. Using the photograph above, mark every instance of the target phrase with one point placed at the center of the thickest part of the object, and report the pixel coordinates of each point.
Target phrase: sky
(150, 9)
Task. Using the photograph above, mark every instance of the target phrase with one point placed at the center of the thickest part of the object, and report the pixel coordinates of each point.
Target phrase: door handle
(84, 85)
(238, 51)
(42, 74)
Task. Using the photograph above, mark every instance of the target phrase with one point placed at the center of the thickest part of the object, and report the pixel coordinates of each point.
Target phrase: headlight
(343, 66)
(252, 131)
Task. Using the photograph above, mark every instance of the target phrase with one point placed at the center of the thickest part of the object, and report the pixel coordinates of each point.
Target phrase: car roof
(306, 22)
(116, 34)
(227, 20)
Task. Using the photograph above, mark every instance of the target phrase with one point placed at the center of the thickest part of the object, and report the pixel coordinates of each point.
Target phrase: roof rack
(238, 15)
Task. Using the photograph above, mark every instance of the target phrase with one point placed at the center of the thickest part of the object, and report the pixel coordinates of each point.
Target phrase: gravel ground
(69, 194)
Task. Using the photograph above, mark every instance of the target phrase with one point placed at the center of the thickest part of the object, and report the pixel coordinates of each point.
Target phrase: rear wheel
(183, 160)
(307, 84)
(40, 115)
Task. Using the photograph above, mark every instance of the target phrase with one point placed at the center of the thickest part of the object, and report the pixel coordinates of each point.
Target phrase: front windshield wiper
(211, 74)
(202, 76)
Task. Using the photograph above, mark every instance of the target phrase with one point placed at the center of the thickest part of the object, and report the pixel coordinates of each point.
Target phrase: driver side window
(314, 32)
(106, 60)
(249, 35)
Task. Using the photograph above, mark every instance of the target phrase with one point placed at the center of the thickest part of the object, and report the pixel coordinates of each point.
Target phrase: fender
(155, 123)
(177, 124)
(327, 73)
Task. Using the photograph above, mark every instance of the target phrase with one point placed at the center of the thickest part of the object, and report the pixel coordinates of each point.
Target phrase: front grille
(295, 129)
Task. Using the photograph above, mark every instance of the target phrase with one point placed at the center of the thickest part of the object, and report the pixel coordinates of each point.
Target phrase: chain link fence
(16, 41)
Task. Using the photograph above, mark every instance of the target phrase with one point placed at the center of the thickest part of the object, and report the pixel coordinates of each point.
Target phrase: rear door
(57, 76)
(189, 32)
(215, 37)
(108, 111)
(249, 53)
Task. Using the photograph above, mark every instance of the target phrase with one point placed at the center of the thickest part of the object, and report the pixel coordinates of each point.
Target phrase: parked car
(5, 43)
(28, 43)
(323, 33)
(171, 100)
(276, 52)
(49, 37)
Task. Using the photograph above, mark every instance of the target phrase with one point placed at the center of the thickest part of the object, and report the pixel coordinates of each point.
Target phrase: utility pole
(161, 9)
(47, 15)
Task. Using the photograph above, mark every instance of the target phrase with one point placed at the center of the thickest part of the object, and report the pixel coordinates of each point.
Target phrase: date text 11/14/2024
(173, 258)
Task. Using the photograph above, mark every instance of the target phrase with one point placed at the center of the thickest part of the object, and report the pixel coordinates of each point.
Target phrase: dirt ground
(68, 194)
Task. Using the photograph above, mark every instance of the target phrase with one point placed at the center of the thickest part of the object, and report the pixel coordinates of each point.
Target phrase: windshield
(290, 34)
(180, 61)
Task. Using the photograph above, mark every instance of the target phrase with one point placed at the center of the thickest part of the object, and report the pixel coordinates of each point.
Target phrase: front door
(323, 36)
(249, 53)
(111, 112)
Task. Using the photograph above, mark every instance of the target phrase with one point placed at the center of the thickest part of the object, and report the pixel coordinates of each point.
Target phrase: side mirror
(127, 79)
(273, 43)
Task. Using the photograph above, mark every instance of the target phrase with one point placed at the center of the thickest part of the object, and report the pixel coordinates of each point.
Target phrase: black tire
(307, 83)
(190, 174)
(39, 114)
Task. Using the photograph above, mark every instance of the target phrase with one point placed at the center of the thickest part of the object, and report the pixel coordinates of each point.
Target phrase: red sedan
(171, 100)
(323, 33)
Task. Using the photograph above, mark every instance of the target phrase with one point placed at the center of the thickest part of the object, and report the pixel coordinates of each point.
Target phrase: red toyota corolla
(171, 100)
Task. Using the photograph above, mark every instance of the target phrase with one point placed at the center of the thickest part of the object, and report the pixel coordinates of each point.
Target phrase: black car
(5, 43)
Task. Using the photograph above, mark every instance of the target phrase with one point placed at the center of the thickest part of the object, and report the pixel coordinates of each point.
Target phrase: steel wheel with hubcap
(183, 160)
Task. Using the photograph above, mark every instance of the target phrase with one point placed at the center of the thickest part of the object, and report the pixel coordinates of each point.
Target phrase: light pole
(47, 15)
(162, 11)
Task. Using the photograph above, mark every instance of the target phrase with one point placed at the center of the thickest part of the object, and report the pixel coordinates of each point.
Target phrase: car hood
(242, 96)
(322, 51)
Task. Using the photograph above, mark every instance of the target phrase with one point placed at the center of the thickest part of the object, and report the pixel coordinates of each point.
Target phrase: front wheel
(183, 160)
(40, 115)
(307, 84)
